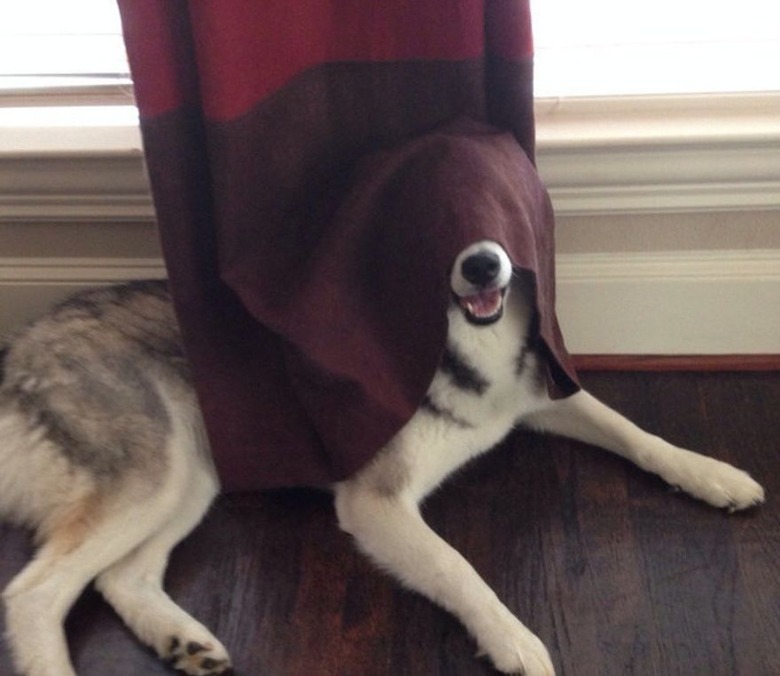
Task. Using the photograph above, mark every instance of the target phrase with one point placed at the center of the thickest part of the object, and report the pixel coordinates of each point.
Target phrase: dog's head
(479, 281)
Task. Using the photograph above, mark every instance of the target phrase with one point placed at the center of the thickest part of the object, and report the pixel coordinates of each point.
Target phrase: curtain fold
(284, 143)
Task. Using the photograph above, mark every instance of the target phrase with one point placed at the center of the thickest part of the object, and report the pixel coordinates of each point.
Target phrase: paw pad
(196, 658)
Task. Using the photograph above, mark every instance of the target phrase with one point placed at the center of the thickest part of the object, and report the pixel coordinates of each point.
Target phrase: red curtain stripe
(246, 49)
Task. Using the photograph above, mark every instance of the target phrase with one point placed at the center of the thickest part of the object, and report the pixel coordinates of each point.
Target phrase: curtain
(291, 148)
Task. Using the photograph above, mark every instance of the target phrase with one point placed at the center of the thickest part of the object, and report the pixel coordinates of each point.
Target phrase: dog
(103, 453)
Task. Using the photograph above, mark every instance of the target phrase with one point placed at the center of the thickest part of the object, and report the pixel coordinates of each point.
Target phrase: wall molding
(80, 162)
(660, 154)
(74, 188)
(597, 156)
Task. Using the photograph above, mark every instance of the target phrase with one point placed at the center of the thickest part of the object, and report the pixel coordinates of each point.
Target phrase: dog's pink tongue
(483, 304)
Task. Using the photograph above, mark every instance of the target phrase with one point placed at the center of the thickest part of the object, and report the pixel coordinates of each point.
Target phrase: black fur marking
(522, 360)
(437, 411)
(194, 647)
(463, 375)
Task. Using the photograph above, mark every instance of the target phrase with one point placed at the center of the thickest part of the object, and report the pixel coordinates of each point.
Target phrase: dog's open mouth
(484, 307)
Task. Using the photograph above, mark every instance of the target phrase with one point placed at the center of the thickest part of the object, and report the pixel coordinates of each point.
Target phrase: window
(52, 44)
(627, 47)
(594, 48)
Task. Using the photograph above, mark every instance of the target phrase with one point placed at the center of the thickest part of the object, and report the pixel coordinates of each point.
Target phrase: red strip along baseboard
(683, 362)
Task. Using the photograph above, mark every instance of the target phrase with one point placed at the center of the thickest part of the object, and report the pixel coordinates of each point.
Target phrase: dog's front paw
(718, 483)
(514, 649)
(197, 657)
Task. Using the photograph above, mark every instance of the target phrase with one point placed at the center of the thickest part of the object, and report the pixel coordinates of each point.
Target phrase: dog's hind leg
(92, 537)
(584, 418)
(133, 586)
(391, 530)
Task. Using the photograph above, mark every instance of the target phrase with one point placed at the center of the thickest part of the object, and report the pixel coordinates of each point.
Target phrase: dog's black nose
(481, 268)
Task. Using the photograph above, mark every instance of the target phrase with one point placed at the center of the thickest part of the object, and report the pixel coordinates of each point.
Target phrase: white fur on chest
(432, 446)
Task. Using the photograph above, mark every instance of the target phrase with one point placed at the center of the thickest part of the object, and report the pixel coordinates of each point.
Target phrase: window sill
(597, 156)
(660, 153)
(72, 163)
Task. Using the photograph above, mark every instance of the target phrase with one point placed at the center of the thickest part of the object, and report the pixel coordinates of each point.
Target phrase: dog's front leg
(391, 530)
(583, 417)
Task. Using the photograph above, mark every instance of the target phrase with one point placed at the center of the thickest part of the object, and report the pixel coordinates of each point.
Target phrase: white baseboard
(30, 285)
(721, 302)
(725, 302)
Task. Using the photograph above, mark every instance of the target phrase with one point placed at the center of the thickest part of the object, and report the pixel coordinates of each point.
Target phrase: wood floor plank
(617, 574)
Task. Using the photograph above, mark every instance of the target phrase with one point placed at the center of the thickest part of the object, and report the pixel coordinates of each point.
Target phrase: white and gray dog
(103, 454)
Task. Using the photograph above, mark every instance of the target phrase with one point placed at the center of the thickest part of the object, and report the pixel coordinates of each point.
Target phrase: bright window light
(593, 48)
(46, 43)
(626, 47)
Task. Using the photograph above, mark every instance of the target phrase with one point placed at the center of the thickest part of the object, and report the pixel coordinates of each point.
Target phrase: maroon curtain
(315, 166)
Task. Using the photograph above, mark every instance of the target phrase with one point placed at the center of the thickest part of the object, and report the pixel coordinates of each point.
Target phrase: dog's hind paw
(207, 658)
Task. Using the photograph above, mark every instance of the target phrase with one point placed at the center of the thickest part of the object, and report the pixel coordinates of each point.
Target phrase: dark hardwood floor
(617, 574)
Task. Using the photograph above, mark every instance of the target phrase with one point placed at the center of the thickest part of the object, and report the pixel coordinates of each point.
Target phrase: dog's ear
(524, 283)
